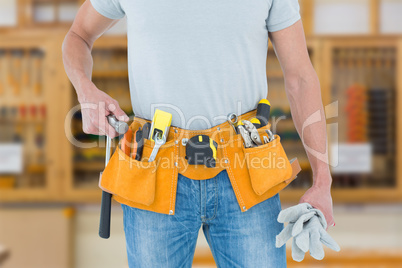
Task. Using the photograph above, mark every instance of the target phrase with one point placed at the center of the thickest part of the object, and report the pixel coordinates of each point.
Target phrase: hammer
(106, 205)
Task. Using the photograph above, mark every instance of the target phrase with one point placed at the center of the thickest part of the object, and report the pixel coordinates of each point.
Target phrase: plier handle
(246, 136)
(254, 135)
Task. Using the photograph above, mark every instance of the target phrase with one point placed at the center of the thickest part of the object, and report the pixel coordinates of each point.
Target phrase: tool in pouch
(233, 120)
(106, 205)
(248, 129)
(138, 142)
(262, 116)
(159, 131)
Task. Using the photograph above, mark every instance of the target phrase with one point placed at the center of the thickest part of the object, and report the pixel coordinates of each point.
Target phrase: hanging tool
(201, 150)
(38, 62)
(159, 131)
(233, 120)
(106, 205)
(262, 117)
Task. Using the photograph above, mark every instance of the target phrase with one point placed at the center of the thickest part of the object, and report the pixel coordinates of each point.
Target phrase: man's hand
(96, 105)
(320, 197)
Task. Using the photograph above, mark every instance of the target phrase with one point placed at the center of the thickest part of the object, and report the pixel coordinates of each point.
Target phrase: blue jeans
(236, 239)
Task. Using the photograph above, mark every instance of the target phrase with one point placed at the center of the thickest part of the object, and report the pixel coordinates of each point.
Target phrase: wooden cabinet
(362, 81)
(29, 116)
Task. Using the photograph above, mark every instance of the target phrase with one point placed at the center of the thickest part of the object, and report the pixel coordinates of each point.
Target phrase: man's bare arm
(304, 94)
(88, 26)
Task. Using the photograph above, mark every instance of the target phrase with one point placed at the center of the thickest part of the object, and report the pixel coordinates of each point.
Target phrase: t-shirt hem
(106, 13)
(285, 24)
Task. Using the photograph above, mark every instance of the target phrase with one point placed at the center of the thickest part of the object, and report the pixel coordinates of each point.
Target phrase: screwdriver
(262, 117)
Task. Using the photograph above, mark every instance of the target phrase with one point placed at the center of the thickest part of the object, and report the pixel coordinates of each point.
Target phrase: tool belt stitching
(174, 181)
(261, 150)
(233, 180)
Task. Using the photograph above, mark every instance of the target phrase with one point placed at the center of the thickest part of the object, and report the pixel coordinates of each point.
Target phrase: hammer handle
(106, 205)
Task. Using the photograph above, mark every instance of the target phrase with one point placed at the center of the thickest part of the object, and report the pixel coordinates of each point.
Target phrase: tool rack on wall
(28, 118)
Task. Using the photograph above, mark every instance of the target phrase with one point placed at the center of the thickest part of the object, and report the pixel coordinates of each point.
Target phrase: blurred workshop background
(49, 199)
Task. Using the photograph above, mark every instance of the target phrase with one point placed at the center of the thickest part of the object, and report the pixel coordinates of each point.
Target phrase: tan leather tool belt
(256, 174)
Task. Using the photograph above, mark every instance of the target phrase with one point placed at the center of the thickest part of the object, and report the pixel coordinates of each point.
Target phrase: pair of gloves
(307, 226)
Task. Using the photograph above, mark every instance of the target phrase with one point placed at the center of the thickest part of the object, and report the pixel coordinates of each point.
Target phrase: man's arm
(88, 26)
(304, 94)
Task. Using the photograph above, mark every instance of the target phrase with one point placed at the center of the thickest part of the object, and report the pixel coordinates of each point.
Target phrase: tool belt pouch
(142, 184)
(130, 179)
(267, 165)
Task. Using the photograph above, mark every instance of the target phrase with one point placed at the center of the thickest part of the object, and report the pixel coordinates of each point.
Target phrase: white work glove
(307, 226)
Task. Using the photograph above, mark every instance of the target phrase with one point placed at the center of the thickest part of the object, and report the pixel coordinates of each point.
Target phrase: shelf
(30, 115)
(90, 166)
(274, 74)
(110, 74)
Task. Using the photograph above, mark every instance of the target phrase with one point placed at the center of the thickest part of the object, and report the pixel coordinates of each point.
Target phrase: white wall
(90, 250)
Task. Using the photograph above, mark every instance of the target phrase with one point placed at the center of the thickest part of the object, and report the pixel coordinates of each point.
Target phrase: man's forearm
(305, 100)
(78, 63)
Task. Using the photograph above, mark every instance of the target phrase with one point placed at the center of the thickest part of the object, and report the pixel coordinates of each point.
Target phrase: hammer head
(120, 127)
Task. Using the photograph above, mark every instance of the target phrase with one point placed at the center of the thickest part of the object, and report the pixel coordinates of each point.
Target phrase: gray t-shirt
(199, 60)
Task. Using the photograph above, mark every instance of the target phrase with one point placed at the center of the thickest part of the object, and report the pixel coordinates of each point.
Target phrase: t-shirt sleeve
(109, 8)
(282, 14)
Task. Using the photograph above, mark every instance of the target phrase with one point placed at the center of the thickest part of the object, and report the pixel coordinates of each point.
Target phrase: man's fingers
(106, 129)
(89, 128)
(115, 109)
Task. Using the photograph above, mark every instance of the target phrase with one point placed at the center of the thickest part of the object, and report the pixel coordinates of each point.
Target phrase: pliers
(253, 132)
(246, 136)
